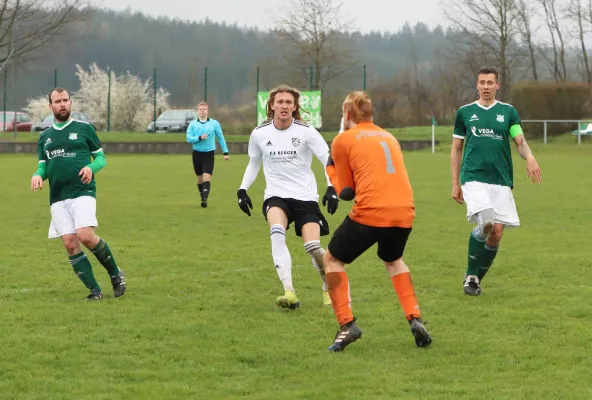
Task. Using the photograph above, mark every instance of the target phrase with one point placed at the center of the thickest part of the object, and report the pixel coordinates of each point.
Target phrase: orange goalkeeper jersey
(369, 160)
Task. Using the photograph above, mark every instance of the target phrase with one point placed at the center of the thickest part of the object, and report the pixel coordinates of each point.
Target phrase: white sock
(281, 256)
(316, 252)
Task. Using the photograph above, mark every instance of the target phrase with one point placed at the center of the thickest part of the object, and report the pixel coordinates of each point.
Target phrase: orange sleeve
(344, 176)
(330, 168)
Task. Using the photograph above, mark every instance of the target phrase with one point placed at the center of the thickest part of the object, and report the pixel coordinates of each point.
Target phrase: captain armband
(516, 130)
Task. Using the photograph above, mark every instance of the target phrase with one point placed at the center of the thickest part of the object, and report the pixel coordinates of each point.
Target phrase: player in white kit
(285, 145)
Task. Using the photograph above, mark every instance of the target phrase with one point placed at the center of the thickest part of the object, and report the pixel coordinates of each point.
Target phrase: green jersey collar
(486, 108)
(62, 125)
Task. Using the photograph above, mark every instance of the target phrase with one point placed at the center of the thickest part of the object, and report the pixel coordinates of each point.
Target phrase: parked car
(22, 120)
(172, 121)
(49, 120)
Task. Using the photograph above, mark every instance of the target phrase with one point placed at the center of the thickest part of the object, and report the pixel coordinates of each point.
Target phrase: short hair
(284, 89)
(359, 106)
(487, 71)
(202, 103)
(58, 90)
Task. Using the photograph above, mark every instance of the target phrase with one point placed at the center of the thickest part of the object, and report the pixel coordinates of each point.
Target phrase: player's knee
(396, 267)
(495, 237)
(72, 244)
(486, 220)
(329, 258)
(86, 237)
(331, 263)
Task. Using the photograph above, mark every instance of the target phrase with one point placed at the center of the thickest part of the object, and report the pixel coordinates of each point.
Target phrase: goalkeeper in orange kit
(366, 163)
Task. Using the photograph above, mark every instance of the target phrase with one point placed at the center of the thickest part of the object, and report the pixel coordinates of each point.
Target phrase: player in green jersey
(484, 180)
(65, 151)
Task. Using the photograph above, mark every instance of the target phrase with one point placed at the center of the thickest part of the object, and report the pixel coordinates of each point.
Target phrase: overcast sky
(370, 15)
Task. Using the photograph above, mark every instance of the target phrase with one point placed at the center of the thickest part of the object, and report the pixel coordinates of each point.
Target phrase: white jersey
(287, 156)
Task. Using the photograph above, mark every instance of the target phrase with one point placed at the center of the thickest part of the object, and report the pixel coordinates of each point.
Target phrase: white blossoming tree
(38, 108)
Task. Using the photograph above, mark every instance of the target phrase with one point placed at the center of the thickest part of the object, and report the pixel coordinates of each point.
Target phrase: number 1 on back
(390, 167)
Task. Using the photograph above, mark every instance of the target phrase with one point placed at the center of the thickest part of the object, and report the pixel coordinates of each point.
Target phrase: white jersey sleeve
(316, 143)
(254, 163)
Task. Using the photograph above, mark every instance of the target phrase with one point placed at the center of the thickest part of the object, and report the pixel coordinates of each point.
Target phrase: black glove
(331, 200)
(244, 202)
(347, 194)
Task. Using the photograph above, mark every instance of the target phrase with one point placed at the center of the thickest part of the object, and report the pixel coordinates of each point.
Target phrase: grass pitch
(199, 320)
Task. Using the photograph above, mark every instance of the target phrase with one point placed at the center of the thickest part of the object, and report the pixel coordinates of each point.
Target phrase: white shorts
(481, 196)
(69, 215)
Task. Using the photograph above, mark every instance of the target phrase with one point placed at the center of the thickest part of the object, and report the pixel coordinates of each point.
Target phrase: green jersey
(487, 155)
(66, 150)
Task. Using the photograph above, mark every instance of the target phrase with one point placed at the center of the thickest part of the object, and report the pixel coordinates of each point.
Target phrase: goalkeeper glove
(244, 202)
(330, 199)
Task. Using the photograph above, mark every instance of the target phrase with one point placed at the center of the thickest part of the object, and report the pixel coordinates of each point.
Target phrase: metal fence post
(545, 132)
(109, 101)
(364, 77)
(257, 103)
(154, 101)
(4, 100)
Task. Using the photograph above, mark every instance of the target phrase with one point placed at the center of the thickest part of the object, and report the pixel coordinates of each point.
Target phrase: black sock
(200, 187)
(206, 190)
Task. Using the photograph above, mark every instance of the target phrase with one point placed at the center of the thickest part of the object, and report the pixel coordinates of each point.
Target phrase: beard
(62, 115)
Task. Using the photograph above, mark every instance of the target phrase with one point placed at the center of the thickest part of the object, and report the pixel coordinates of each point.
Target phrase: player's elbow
(518, 140)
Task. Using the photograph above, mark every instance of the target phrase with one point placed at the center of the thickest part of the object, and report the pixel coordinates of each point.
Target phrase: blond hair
(359, 106)
(203, 103)
(284, 89)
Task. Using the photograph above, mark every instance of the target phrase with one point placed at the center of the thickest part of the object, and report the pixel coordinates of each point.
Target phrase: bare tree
(29, 25)
(525, 15)
(575, 11)
(451, 91)
(314, 34)
(559, 66)
(489, 26)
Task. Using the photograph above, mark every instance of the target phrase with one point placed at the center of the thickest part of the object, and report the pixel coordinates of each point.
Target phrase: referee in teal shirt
(201, 133)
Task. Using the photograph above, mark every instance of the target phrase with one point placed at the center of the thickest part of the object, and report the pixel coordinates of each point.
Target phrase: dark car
(49, 120)
(173, 121)
(15, 121)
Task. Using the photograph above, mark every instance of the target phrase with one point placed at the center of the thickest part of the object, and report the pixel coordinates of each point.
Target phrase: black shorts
(203, 162)
(351, 239)
(298, 211)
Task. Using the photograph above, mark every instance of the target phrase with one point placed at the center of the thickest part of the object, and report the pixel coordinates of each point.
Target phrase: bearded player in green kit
(485, 180)
(65, 151)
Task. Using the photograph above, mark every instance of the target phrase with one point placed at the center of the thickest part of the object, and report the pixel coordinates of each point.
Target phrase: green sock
(476, 243)
(487, 256)
(83, 270)
(105, 257)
